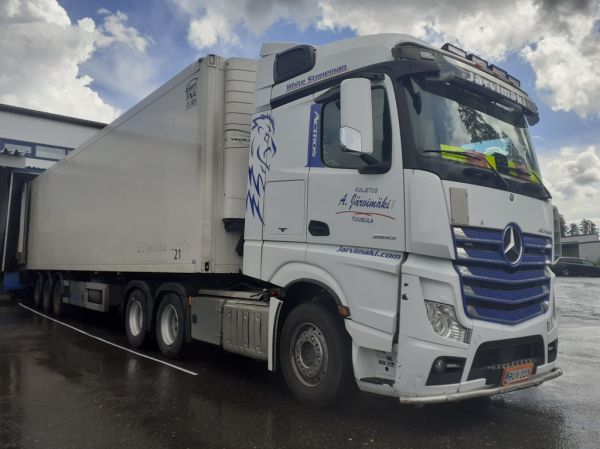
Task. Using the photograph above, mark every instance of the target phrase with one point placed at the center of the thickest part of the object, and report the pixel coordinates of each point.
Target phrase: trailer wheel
(38, 287)
(315, 355)
(47, 295)
(170, 325)
(58, 307)
(136, 316)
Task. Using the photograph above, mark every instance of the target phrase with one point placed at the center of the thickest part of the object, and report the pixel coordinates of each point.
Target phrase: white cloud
(114, 29)
(568, 68)
(42, 52)
(560, 39)
(223, 22)
(573, 177)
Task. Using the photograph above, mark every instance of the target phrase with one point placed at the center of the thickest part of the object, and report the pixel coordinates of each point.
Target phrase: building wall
(49, 131)
(590, 251)
(24, 132)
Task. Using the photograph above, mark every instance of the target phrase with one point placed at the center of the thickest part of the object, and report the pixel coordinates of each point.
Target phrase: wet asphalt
(62, 389)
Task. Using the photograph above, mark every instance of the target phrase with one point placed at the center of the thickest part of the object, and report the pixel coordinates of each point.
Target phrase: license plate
(516, 374)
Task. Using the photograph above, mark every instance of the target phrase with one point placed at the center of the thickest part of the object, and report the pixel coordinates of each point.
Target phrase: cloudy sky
(95, 59)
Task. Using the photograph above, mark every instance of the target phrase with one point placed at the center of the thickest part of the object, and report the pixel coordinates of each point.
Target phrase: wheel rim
(136, 315)
(308, 353)
(169, 325)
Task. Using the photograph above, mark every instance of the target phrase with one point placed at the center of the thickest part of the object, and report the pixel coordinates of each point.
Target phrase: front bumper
(460, 396)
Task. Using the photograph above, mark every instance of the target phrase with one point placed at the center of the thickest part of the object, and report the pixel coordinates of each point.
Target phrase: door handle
(318, 228)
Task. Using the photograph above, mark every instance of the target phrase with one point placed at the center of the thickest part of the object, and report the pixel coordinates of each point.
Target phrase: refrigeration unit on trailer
(366, 212)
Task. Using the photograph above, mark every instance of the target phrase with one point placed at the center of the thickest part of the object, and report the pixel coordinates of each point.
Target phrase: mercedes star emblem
(512, 245)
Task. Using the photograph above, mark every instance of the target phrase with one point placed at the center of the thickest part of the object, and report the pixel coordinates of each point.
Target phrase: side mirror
(356, 131)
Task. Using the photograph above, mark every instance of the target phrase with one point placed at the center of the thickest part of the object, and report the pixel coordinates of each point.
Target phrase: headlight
(444, 323)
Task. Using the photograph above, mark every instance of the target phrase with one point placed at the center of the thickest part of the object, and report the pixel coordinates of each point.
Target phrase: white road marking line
(110, 343)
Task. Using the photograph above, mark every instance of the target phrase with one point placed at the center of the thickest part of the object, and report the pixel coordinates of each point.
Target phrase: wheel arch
(296, 274)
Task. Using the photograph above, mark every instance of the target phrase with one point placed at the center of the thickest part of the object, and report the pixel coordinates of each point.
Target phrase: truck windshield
(447, 121)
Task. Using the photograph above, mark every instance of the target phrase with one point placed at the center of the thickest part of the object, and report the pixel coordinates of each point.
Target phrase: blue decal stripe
(314, 137)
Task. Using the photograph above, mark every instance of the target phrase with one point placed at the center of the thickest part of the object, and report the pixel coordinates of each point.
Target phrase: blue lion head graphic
(262, 151)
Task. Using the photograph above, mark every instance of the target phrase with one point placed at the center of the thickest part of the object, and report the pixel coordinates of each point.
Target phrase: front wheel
(170, 326)
(315, 355)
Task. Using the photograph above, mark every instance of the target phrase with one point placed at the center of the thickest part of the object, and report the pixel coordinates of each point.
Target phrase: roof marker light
(482, 63)
(454, 50)
(500, 73)
(515, 82)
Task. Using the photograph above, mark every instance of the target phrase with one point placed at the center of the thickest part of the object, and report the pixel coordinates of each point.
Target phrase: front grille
(493, 289)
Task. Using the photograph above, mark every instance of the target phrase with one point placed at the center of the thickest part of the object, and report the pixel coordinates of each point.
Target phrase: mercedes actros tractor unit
(368, 212)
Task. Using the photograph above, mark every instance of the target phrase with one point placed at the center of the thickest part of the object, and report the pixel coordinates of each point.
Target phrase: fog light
(444, 323)
(446, 371)
(439, 366)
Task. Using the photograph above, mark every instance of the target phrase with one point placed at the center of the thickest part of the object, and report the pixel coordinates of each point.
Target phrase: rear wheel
(58, 307)
(38, 287)
(170, 325)
(136, 316)
(315, 355)
(47, 294)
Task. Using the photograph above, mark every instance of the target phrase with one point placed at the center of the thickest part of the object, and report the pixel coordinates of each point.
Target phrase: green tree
(564, 229)
(574, 229)
(588, 227)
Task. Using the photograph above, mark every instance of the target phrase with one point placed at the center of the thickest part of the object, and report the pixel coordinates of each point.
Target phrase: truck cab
(395, 185)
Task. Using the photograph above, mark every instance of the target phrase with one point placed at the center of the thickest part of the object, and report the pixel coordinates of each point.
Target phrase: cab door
(353, 202)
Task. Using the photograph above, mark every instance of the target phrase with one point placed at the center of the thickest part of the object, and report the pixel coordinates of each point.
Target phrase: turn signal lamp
(343, 311)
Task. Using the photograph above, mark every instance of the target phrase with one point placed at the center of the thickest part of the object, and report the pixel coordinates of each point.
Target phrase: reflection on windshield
(451, 119)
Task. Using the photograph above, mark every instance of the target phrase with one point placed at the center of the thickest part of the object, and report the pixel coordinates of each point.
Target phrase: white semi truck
(367, 212)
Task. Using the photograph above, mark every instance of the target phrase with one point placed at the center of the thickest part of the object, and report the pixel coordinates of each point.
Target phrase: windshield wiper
(528, 171)
(473, 156)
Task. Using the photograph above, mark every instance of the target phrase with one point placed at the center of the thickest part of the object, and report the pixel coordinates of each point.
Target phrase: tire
(58, 307)
(170, 326)
(565, 272)
(38, 287)
(47, 295)
(136, 318)
(315, 355)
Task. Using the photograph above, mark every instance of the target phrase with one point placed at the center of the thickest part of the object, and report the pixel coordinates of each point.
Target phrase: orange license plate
(515, 374)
